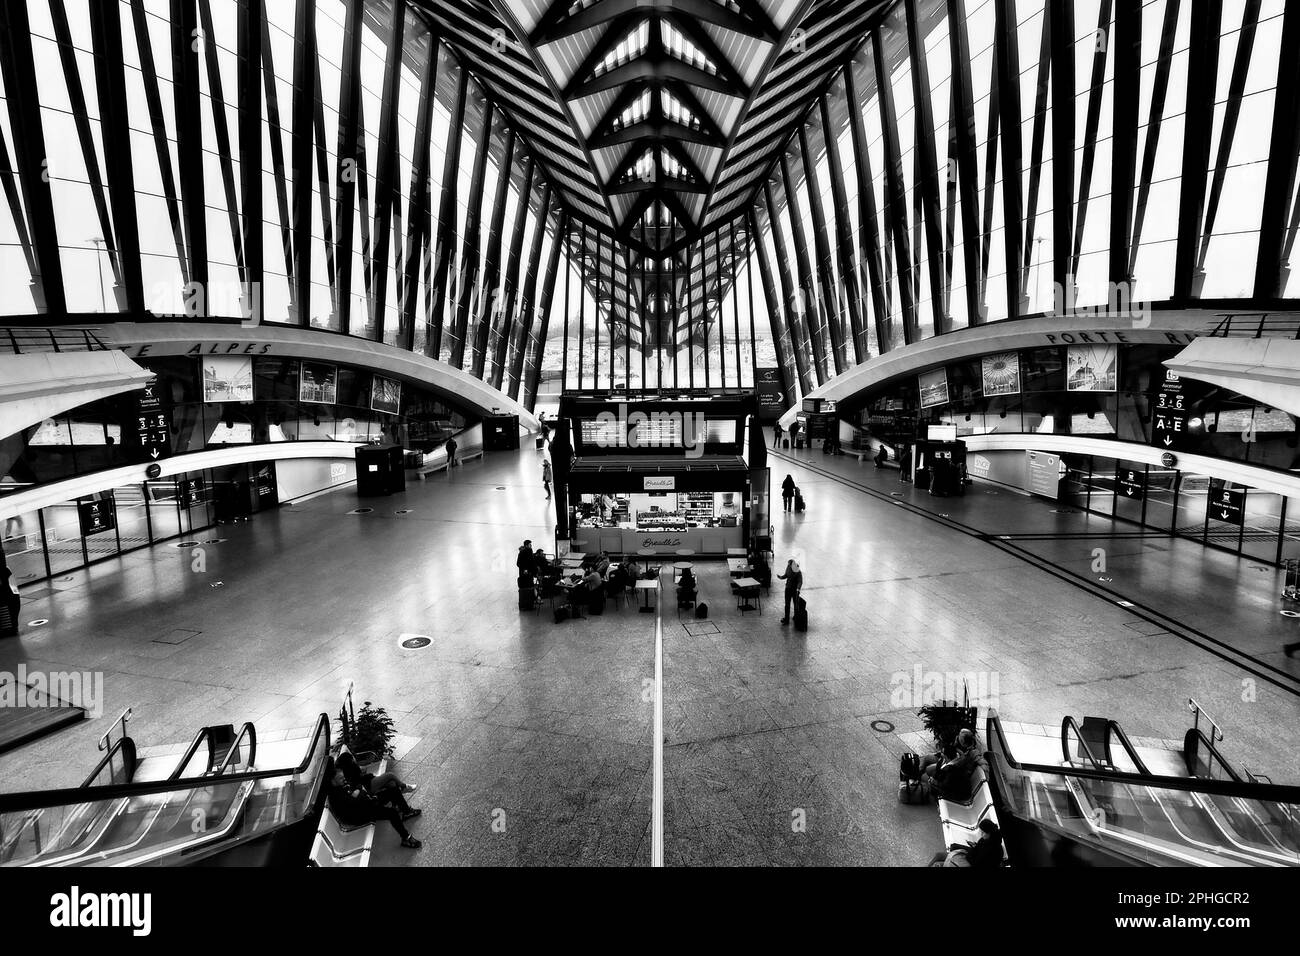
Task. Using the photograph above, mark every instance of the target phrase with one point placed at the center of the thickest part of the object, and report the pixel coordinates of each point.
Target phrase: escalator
(211, 802)
(1102, 805)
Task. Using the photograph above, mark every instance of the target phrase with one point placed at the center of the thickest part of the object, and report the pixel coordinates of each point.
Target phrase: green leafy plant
(945, 720)
(370, 731)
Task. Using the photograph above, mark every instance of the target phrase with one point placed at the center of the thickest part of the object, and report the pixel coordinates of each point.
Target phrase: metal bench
(961, 820)
(339, 845)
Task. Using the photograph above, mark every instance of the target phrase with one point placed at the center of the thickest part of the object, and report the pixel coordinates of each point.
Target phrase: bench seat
(339, 845)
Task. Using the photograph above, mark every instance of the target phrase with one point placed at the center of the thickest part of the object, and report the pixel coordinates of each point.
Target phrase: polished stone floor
(531, 742)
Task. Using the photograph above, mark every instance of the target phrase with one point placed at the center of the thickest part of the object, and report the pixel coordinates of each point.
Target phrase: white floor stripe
(657, 808)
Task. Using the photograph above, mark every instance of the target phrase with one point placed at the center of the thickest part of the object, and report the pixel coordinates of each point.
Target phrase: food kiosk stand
(657, 476)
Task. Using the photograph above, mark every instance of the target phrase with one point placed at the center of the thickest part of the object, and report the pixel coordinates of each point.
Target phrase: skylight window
(674, 109)
(627, 50)
(635, 112)
(677, 44)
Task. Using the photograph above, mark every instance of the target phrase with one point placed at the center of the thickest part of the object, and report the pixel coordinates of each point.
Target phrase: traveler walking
(787, 492)
(546, 477)
(793, 579)
(451, 452)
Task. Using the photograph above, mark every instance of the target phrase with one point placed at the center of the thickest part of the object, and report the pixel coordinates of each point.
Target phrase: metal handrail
(249, 731)
(1256, 325)
(17, 802)
(1271, 792)
(23, 340)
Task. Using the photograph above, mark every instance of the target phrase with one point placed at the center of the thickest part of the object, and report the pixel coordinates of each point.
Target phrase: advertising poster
(318, 383)
(1001, 372)
(385, 395)
(771, 397)
(1091, 368)
(934, 387)
(1043, 473)
(227, 378)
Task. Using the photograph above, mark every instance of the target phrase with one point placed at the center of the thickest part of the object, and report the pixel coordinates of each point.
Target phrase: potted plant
(368, 734)
(944, 720)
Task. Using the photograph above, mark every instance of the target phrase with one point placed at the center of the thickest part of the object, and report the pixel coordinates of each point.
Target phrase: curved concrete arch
(69, 489)
(148, 339)
(1160, 328)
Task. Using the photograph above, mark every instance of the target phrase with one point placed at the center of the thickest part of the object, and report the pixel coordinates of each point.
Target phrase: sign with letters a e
(659, 483)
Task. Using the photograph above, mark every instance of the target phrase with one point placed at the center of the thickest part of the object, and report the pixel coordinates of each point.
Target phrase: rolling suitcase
(800, 614)
(798, 501)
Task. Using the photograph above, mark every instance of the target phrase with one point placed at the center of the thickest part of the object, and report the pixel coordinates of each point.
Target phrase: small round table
(683, 566)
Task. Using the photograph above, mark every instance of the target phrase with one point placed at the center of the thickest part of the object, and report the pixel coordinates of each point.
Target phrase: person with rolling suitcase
(793, 579)
(787, 491)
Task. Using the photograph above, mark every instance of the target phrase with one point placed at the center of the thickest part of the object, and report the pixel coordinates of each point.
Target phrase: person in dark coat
(354, 807)
(787, 492)
(526, 562)
(793, 579)
(451, 447)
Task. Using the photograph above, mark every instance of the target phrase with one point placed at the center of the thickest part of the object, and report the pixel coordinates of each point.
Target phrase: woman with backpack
(793, 579)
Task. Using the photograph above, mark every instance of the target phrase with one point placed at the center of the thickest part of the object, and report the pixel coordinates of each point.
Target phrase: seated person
(593, 582)
(374, 785)
(578, 595)
(931, 763)
(355, 806)
(985, 852)
(602, 564)
(686, 587)
(617, 581)
(953, 778)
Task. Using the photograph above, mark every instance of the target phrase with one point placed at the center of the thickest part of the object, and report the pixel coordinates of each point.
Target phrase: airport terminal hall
(651, 433)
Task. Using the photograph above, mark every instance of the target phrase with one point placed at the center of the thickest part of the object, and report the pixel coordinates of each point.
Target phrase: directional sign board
(152, 424)
(1131, 483)
(96, 515)
(1169, 427)
(1227, 503)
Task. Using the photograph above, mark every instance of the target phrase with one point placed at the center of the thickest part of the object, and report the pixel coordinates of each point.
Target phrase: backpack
(909, 767)
(913, 791)
(701, 611)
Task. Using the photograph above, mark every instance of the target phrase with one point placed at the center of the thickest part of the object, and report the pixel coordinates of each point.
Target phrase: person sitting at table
(602, 564)
(616, 582)
(686, 588)
(578, 594)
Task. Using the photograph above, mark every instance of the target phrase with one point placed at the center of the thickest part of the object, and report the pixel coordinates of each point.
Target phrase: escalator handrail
(1267, 792)
(1114, 728)
(1204, 742)
(121, 744)
(37, 799)
(201, 736)
(1069, 724)
(249, 731)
